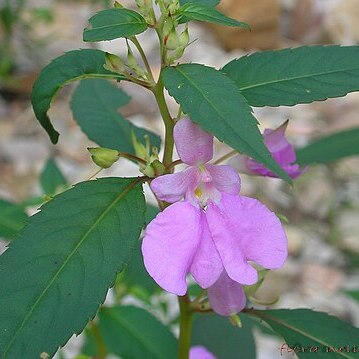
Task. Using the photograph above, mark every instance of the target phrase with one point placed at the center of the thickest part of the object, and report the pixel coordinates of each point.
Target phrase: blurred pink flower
(281, 150)
(199, 352)
(214, 232)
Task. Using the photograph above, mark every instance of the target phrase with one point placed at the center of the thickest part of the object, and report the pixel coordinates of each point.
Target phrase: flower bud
(133, 64)
(114, 63)
(173, 8)
(141, 151)
(148, 171)
(168, 26)
(103, 157)
(154, 169)
(184, 37)
(146, 10)
(172, 40)
(158, 167)
(177, 54)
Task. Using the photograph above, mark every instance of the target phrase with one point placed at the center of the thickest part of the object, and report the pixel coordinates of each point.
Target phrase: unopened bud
(168, 26)
(158, 167)
(149, 171)
(114, 63)
(146, 10)
(103, 157)
(172, 40)
(177, 54)
(173, 8)
(141, 151)
(133, 64)
(184, 37)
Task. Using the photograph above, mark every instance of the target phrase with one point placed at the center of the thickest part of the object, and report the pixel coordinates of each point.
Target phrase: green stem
(159, 29)
(137, 81)
(168, 121)
(144, 57)
(132, 157)
(185, 327)
(99, 342)
(225, 157)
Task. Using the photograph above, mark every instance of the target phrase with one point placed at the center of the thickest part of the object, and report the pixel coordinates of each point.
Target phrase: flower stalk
(185, 327)
(168, 122)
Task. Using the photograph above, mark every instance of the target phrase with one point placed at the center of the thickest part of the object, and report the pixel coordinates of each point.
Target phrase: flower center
(205, 189)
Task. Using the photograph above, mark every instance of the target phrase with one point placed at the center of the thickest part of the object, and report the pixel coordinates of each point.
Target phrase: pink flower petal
(226, 296)
(225, 178)
(282, 151)
(207, 264)
(199, 352)
(169, 245)
(194, 146)
(276, 141)
(173, 187)
(243, 229)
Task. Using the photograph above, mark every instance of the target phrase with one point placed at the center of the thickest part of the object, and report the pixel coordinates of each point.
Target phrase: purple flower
(281, 150)
(199, 352)
(214, 232)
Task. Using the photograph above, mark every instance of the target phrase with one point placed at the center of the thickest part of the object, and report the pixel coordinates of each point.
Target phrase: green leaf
(114, 23)
(309, 330)
(221, 338)
(151, 213)
(293, 76)
(52, 180)
(202, 2)
(220, 110)
(95, 105)
(55, 276)
(12, 219)
(201, 12)
(330, 148)
(136, 275)
(132, 332)
(72, 66)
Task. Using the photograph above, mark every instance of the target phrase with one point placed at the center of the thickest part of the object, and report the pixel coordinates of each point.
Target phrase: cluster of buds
(169, 6)
(152, 166)
(146, 9)
(173, 41)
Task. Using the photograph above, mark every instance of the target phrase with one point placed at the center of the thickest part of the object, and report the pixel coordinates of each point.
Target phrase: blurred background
(323, 205)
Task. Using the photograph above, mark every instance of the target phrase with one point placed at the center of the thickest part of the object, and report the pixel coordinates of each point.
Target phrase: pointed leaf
(135, 274)
(12, 219)
(114, 23)
(51, 178)
(132, 332)
(330, 148)
(222, 339)
(313, 332)
(72, 66)
(220, 110)
(95, 104)
(200, 12)
(54, 277)
(292, 76)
